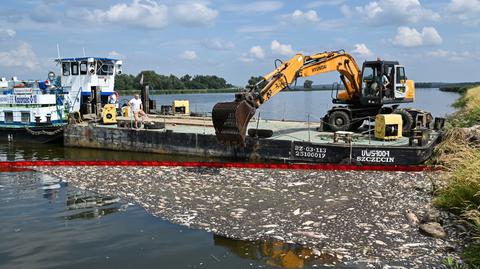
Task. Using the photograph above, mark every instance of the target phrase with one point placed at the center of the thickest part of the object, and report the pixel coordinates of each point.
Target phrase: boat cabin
(89, 81)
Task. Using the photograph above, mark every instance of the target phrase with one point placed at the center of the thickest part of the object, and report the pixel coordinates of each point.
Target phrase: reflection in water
(85, 205)
(21, 152)
(274, 253)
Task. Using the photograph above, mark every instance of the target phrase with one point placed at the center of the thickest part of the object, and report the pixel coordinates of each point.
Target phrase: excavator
(378, 88)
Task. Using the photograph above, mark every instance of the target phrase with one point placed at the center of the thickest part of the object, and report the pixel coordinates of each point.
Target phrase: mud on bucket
(230, 120)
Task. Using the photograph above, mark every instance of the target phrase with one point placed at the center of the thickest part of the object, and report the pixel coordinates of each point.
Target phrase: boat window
(83, 68)
(66, 69)
(8, 116)
(74, 69)
(105, 69)
(25, 117)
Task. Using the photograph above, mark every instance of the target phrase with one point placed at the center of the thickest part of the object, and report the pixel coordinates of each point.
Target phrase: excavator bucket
(230, 120)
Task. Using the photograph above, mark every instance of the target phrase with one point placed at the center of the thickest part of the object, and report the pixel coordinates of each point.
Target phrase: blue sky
(436, 40)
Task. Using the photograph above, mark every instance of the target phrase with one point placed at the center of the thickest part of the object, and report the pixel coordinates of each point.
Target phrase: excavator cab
(384, 82)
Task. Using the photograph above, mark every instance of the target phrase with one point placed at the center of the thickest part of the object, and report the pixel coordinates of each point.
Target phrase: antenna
(58, 51)
(84, 52)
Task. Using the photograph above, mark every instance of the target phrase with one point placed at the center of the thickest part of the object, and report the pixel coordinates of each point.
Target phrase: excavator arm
(230, 119)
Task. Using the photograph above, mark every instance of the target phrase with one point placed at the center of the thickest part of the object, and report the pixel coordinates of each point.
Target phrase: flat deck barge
(292, 141)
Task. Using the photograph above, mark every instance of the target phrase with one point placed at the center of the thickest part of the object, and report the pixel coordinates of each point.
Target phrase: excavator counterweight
(230, 120)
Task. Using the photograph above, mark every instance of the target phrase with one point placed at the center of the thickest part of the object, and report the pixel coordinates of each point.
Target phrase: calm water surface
(49, 224)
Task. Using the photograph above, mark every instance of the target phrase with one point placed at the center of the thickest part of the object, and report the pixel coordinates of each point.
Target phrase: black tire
(407, 119)
(154, 125)
(339, 120)
(261, 133)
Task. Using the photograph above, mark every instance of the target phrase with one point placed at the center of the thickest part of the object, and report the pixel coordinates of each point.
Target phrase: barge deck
(292, 141)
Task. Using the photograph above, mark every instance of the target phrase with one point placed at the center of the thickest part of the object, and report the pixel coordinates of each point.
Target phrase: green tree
(307, 84)
(128, 83)
(254, 80)
(125, 83)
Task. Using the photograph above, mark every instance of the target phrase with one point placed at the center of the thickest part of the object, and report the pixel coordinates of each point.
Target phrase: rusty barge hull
(204, 144)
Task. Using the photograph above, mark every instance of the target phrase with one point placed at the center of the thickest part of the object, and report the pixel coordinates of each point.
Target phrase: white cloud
(22, 56)
(431, 36)
(454, 55)
(410, 37)
(383, 12)
(145, 13)
(218, 44)
(362, 50)
(195, 14)
(7, 33)
(246, 59)
(255, 53)
(299, 17)
(467, 11)
(189, 55)
(150, 14)
(114, 54)
(255, 7)
(256, 29)
(439, 53)
(282, 49)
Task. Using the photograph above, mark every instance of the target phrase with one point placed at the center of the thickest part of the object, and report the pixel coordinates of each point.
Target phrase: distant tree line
(125, 83)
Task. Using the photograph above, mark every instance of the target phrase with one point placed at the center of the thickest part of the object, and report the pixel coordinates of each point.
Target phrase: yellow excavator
(366, 93)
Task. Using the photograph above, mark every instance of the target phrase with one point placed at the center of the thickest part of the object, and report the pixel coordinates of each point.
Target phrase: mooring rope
(43, 132)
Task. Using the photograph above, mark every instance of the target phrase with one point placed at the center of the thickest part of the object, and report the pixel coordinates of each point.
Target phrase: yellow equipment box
(388, 126)
(109, 114)
(126, 111)
(181, 107)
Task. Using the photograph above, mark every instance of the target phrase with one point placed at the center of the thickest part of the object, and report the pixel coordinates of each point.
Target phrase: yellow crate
(109, 114)
(388, 126)
(181, 107)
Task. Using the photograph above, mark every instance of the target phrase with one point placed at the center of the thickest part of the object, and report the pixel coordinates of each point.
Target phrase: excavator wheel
(407, 119)
(339, 120)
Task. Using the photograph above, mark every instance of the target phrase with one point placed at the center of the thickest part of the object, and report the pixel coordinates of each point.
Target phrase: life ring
(113, 98)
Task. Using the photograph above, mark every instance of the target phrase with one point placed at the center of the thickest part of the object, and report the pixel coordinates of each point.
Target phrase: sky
(435, 40)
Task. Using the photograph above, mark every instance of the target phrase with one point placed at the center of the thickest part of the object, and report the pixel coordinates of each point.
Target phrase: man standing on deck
(137, 108)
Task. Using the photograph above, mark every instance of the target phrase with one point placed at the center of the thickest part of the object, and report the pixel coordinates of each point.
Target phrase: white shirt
(385, 80)
(135, 103)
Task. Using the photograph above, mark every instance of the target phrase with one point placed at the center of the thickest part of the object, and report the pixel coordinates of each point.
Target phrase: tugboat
(38, 111)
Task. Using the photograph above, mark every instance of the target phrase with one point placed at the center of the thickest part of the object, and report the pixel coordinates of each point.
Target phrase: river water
(50, 224)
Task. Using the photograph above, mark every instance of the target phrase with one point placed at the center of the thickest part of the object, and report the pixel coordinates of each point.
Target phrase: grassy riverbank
(459, 154)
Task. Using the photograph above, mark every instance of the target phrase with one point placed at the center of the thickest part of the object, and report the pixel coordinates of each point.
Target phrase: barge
(291, 142)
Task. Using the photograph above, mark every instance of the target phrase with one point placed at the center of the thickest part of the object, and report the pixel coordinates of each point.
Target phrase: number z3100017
(310, 152)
